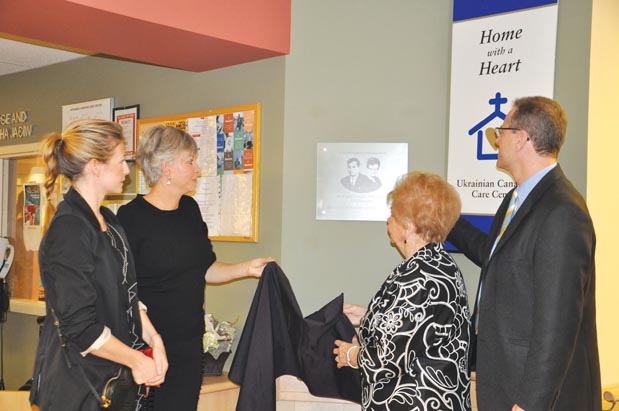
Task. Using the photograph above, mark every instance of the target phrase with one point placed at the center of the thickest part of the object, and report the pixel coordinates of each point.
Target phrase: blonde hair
(162, 144)
(428, 202)
(68, 153)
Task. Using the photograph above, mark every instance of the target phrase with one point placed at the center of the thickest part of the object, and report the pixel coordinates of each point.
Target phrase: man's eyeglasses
(492, 133)
(498, 131)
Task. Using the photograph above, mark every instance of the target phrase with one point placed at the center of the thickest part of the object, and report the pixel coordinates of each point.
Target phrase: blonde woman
(94, 322)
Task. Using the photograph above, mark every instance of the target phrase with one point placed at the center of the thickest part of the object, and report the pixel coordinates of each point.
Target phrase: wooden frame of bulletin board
(229, 157)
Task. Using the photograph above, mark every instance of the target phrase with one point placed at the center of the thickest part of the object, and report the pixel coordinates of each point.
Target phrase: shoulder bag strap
(63, 345)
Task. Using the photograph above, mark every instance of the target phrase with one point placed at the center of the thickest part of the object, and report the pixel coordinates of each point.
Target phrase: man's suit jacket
(537, 341)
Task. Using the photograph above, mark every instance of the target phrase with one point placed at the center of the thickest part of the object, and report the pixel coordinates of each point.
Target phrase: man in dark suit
(535, 309)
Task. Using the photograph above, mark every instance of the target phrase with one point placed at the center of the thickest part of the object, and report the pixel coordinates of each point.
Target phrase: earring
(169, 181)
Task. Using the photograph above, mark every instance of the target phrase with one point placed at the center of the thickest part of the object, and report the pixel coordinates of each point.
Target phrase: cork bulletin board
(229, 157)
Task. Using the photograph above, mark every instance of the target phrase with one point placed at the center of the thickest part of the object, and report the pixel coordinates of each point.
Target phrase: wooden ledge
(219, 383)
(25, 306)
(290, 388)
(16, 401)
(218, 393)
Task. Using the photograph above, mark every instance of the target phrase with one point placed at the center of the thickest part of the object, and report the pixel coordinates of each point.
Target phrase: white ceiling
(16, 56)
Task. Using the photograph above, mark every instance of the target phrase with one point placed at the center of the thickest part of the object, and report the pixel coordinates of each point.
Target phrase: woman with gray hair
(174, 258)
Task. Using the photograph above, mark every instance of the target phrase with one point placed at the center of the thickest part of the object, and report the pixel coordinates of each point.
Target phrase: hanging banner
(500, 51)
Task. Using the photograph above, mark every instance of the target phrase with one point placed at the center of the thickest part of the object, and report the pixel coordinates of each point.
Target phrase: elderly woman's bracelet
(348, 357)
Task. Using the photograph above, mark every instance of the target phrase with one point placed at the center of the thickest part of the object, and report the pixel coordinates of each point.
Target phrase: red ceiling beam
(195, 35)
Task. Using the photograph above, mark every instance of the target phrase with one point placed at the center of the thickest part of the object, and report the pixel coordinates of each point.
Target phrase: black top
(415, 337)
(172, 253)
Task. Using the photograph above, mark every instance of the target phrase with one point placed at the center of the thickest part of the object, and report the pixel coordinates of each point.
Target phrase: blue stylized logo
(497, 101)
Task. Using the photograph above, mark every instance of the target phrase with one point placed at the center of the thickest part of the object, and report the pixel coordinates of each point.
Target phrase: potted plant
(217, 344)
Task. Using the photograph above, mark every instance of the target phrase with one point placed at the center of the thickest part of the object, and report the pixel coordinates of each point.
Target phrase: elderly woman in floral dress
(413, 341)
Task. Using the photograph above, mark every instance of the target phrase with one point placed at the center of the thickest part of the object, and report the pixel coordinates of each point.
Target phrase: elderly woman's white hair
(428, 202)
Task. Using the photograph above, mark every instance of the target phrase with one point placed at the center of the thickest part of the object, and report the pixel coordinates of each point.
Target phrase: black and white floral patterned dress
(415, 338)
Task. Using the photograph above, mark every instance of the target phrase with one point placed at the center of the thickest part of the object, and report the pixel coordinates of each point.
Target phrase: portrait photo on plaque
(353, 179)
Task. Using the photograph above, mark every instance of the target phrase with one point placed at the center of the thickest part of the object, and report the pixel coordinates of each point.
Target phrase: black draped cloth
(277, 340)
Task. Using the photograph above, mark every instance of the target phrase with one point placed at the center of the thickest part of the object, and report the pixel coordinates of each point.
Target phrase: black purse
(119, 392)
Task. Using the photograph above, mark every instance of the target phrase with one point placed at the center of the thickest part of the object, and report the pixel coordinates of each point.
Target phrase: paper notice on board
(204, 130)
(195, 126)
(208, 148)
(236, 205)
(207, 197)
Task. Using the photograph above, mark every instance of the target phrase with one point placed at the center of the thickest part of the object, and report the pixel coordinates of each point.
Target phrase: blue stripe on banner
(483, 222)
(469, 9)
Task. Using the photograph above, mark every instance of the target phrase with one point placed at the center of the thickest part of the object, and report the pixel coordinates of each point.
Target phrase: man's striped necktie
(511, 210)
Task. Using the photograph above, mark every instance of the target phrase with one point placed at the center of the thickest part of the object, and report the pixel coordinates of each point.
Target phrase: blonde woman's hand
(144, 370)
(159, 356)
